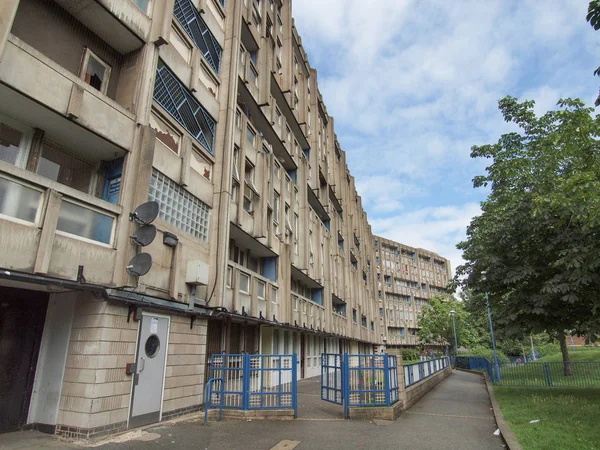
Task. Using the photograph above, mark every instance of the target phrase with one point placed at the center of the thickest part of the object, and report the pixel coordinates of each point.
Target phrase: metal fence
(372, 380)
(546, 374)
(413, 373)
(246, 382)
(359, 380)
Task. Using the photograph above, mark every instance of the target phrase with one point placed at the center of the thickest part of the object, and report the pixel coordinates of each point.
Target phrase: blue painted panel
(269, 268)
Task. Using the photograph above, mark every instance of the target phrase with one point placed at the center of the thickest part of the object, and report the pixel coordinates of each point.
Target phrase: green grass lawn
(586, 371)
(580, 354)
(569, 417)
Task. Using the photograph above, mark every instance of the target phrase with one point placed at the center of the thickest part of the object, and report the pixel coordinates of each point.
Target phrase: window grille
(178, 207)
(193, 24)
(183, 107)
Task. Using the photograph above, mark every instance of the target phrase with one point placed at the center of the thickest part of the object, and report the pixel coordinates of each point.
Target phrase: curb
(509, 437)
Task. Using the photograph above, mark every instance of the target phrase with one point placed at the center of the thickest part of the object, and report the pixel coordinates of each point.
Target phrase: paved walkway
(454, 415)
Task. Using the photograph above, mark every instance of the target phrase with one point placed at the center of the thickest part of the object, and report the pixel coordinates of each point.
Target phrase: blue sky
(412, 85)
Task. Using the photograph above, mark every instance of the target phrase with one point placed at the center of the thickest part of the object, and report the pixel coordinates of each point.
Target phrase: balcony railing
(33, 203)
(254, 294)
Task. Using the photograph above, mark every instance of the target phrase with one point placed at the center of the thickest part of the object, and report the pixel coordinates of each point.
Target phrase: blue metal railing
(359, 380)
(213, 400)
(413, 373)
(584, 374)
(253, 382)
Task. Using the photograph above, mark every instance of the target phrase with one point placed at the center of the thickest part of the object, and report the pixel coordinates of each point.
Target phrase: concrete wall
(184, 382)
(96, 391)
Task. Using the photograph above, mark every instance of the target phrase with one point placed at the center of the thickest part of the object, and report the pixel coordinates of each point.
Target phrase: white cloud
(412, 85)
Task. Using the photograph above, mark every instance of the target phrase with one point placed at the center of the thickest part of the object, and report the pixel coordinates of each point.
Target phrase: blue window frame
(194, 25)
(183, 107)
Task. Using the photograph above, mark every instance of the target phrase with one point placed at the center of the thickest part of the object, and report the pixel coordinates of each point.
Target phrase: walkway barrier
(247, 382)
(359, 380)
(547, 374)
(413, 373)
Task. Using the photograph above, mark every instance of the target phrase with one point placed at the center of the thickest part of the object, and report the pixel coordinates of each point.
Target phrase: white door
(148, 380)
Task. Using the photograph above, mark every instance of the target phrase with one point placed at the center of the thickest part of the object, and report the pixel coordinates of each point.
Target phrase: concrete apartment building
(407, 278)
(211, 109)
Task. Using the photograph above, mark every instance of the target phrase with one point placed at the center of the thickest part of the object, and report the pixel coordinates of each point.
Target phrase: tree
(538, 236)
(435, 322)
(593, 17)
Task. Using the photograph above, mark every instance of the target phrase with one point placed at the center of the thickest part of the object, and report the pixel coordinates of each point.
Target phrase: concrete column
(44, 252)
(8, 11)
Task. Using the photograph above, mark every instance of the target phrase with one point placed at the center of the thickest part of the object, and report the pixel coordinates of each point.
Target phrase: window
(178, 207)
(94, 71)
(250, 191)
(372, 326)
(276, 170)
(229, 276)
(260, 289)
(353, 315)
(60, 165)
(242, 55)
(183, 107)
(251, 137)
(15, 140)
(363, 321)
(287, 217)
(84, 222)
(253, 74)
(244, 283)
(142, 4)
(276, 200)
(236, 162)
(19, 201)
(191, 21)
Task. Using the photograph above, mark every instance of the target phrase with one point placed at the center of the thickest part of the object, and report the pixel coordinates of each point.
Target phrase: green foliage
(410, 354)
(435, 322)
(485, 352)
(549, 348)
(537, 238)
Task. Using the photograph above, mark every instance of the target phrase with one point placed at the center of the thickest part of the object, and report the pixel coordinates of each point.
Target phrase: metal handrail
(207, 399)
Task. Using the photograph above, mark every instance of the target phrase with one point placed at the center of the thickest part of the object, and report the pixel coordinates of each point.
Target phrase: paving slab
(456, 414)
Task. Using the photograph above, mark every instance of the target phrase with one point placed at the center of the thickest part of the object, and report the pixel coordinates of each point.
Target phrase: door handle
(142, 364)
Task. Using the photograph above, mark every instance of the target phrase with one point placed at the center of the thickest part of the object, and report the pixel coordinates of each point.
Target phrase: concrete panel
(104, 119)
(25, 72)
(19, 245)
(167, 162)
(68, 253)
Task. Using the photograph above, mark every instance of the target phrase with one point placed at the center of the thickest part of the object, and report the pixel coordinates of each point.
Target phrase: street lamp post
(452, 312)
(489, 311)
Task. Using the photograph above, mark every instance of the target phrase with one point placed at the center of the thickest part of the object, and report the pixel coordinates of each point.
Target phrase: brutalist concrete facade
(211, 109)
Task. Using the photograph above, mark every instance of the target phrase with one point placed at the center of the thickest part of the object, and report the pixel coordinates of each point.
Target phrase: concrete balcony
(250, 293)
(52, 229)
(340, 324)
(123, 24)
(307, 314)
(24, 70)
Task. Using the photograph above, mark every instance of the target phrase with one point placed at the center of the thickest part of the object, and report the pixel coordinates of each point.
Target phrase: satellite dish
(144, 235)
(145, 213)
(139, 265)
